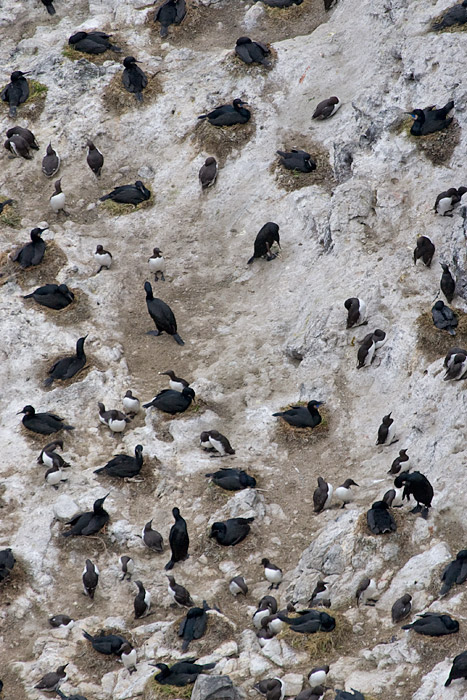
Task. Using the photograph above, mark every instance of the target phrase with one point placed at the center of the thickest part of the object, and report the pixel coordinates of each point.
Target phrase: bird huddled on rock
(90, 522)
(344, 493)
(54, 296)
(208, 173)
(459, 665)
(446, 201)
(51, 681)
(433, 625)
(265, 238)
(298, 160)
(386, 431)
(142, 601)
(454, 573)
(252, 51)
(128, 194)
(94, 159)
(152, 538)
(68, 367)
(447, 283)
(272, 573)
(214, 440)
(179, 594)
(50, 162)
(326, 108)
(16, 92)
(322, 495)
(32, 253)
(232, 479)
(366, 592)
(90, 578)
(401, 608)
(93, 43)
(170, 12)
(310, 621)
(379, 518)
(424, 250)
(18, 146)
(401, 463)
(444, 318)
(228, 115)
(430, 119)
(115, 420)
(231, 532)
(103, 258)
(302, 416)
(356, 312)
(106, 643)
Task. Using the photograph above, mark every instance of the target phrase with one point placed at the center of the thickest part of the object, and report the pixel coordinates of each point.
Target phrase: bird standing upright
(16, 92)
(178, 540)
(162, 315)
(133, 78)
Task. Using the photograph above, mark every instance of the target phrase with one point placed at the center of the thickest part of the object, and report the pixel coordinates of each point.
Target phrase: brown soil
(222, 141)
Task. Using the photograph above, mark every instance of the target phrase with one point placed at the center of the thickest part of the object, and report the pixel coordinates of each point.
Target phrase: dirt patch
(12, 684)
(118, 100)
(221, 141)
(32, 108)
(10, 215)
(437, 147)
(434, 343)
(116, 209)
(291, 180)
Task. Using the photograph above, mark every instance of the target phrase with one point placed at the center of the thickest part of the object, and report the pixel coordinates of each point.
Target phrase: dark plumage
(309, 622)
(355, 311)
(89, 523)
(302, 416)
(232, 479)
(18, 146)
(25, 134)
(429, 120)
(193, 625)
(60, 620)
(458, 668)
(43, 423)
(446, 201)
(170, 401)
(7, 562)
(281, 3)
(424, 250)
(208, 172)
(90, 578)
(311, 693)
(142, 601)
(444, 318)
(386, 430)
(265, 238)
(106, 643)
(69, 697)
(152, 539)
(94, 159)
(454, 573)
(32, 253)
(345, 695)
(401, 459)
(455, 15)
(447, 283)
(218, 442)
(49, 6)
(380, 519)
(50, 162)
(401, 608)
(272, 688)
(297, 160)
(231, 532)
(228, 115)
(326, 108)
(67, 367)
(170, 12)
(178, 540)
(182, 673)
(416, 485)
(52, 680)
(54, 296)
(252, 51)
(180, 594)
(124, 466)
(128, 194)
(434, 625)
(162, 315)
(134, 80)
(16, 92)
(92, 42)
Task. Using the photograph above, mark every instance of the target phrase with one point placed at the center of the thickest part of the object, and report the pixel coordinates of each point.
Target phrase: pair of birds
(20, 141)
(414, 484)
(447, 201)
(322, 495)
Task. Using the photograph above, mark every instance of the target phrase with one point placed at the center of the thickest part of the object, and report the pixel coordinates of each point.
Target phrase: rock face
(257, 338)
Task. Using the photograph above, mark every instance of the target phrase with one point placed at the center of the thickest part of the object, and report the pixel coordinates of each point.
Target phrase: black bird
(128, 194)
(33, 252)
(252, 51)
(142, 601)
(208, 173)
(267, 235)
(444, 318)
(67, 367)
(401, 459)
(5, 203)
(356, 309)
(228, 115)
(89, 523)
(60, 620)
(94, 159)
(401, 608)
(124, 466)
(54, 296)
(170, 12)
(193, 625)
(454, 573)
(380, 519)
(17, 91)
(162, 315)
(459, 665)
(50, 162)
(133, 78)
(416, 485)
(326, 108)
(311, 693)
(457, 366)
(281, 3)
(434, 625)
(90, 578)
(309, 621)
(71, 697)
(180, 595)
(178, 540)
(182, 673)
(49, 6)
(425, 250)
(429, 120)
(455, 15)
(152, 539)
(345, 695)
(92, 42)
(232, 479)
(106, 643)
(231, 531)
(7, 562)
(18, 146)
(447, 283)
(386, 431)
(170, 401)
(297, 160)
(25, 134)
(52, 680)
(302, 416)
(43, 423)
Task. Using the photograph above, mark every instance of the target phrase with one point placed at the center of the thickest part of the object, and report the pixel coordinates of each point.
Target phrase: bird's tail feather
(48, 381)
(250, 260)
(169, 565)
(68, 427)
(87, 636)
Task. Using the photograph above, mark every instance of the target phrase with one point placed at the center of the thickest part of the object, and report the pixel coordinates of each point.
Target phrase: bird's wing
(126, 80)
(244, 54)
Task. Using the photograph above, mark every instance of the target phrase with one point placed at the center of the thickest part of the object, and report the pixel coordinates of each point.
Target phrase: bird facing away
(356, 312)
(93, 43)
(366, 591)
(231, 532)
(424, 250)
(386, 431)
(265, 238)
(447, 283)
(417, 485)
(459, 665)
(228, 115)
(113, 419)
(103, 258)
(58, 199)
(124, 466)
(434, 625)
(232, 479)
(182, 673)
(456, 15)
(326, 109)
(401, 608)
(179, 594)
(68, 367)
(322, 495)
(444, 318)
(297, 160)
(54, 296)
(50, 162)
(89, 523)
(178, 540)
(379, 518)
(128, 194)
(317, 676)
(429, 120)
(193, 625)
(94, 159)
(157, 264)
(162, 315)
(272, 573)
(16, 92)
(152, 539)
(250, 51)
(208, 172)
(51, 681)
(172, 402)
(90, 578)
(142, 601)
(457, 367)
(133, 78)
(170, 12)
(271, 688)
(302, 416)
(32, 253)
(454, 573)
(238, 586)
(43, 423)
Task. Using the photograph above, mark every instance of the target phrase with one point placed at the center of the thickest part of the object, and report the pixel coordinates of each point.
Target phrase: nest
(73, 314)
(290, 433)
(321, 644)
(219, 629)
(117, 209)
(235, 64)
(437, 147)
(69, 52)
(290, 180)
(35, 103)
(10, 216)
(155, 691)
(434, 343)
(119, 100)
(36, 275)
(448, 30)
(221, 141)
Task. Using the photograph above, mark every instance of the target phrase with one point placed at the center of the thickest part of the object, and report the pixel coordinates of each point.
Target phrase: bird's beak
(20, 412)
